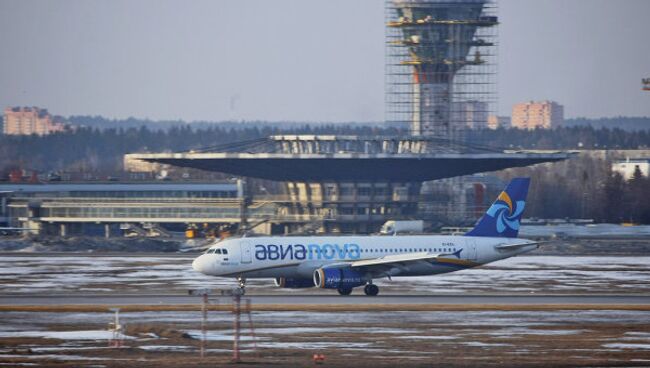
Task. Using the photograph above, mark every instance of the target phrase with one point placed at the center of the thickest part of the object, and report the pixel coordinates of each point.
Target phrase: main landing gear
(371, 290)
(344, 291)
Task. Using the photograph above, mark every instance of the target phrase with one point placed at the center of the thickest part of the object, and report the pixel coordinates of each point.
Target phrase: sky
(298, 60)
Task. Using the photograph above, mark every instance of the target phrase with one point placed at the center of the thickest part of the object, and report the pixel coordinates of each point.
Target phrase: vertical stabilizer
(503, 217)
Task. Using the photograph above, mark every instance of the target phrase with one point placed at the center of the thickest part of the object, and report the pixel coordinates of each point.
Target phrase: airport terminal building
(353, 184)
(109, 208)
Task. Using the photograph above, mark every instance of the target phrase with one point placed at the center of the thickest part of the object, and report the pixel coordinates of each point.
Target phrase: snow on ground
(592, 230)
(409, 333)
(64, 335)
(627, 346)
(509, 322)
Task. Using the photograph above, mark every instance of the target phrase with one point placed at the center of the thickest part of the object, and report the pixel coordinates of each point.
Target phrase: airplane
(346, 262)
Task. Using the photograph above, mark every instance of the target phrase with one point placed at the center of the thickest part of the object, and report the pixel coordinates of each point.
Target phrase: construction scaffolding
(441, 66)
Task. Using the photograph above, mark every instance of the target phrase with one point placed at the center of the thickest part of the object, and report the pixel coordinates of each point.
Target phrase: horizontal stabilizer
(516, 246)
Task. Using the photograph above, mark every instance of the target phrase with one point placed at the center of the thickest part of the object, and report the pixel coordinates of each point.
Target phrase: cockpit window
(218, 251)
(225, 251)
(210, 251)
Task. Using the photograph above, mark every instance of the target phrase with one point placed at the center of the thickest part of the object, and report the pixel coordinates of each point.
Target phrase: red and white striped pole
(236, 327)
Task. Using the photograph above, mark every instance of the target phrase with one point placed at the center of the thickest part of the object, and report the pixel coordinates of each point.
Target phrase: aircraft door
(245, 250)
(471, 249)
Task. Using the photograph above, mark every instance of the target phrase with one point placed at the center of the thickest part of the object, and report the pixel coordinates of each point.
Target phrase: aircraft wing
(393, 265)
(395, 259)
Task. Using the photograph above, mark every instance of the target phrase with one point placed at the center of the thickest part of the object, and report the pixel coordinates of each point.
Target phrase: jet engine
(338, 278)
(291, 283)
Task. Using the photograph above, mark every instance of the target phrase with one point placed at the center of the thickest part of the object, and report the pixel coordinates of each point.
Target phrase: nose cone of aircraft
(202, 264)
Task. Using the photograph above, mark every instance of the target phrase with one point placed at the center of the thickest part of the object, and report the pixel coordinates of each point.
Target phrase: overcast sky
(299, 60)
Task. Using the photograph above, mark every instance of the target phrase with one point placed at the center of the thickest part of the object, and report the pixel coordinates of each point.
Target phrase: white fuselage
(299, 257)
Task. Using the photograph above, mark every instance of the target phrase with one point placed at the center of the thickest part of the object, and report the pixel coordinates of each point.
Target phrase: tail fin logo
(505, 214)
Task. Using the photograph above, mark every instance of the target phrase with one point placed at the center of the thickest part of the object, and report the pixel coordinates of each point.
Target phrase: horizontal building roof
(352, 166)
(115, 187)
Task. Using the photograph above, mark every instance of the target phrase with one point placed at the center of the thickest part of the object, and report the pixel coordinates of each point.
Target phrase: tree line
(102, 150)
(584, 187)
(577, 137)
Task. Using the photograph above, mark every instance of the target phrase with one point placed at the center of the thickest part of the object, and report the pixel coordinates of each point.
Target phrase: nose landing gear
(371, 290)
(242, 284)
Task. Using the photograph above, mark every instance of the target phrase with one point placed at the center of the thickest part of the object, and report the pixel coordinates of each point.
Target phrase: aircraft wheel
(344, 291)
(371, 290)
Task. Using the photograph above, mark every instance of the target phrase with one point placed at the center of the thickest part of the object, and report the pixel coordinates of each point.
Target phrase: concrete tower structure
(438, 58)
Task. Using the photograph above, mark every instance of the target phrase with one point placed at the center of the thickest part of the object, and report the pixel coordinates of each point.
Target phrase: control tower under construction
(440, 65)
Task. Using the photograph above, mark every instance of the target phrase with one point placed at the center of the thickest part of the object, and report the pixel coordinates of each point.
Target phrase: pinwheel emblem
(505, 214)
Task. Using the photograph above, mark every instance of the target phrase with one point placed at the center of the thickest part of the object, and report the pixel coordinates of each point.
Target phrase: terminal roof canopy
(352, 166)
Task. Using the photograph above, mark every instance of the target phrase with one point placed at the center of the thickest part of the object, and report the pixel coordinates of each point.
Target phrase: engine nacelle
(335, 278)
(291, 283)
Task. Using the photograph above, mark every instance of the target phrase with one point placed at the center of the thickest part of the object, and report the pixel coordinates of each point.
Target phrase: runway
(585, 300)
